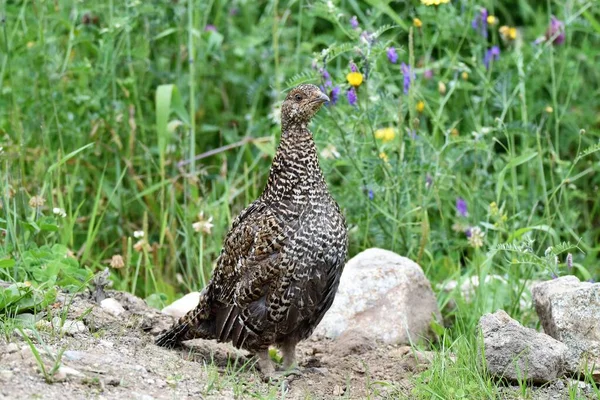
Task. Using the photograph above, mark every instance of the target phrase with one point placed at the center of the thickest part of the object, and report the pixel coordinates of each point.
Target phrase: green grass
(136, 116)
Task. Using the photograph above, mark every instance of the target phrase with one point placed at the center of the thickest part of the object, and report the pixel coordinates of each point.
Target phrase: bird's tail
(195, 324)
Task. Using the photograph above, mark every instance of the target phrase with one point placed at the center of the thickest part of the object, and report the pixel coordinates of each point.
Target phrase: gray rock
(385, 296)
(69, 327)
(569, 311)
(11, 348)
(63, 373)
(515, 352)
(181, 306)
(112, 306)
(74, 355)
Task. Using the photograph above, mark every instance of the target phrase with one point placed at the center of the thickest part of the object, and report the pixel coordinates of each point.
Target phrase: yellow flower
(465, 75)
(454, 132)
(385, 134)
(434, 2)
(508, 32)
(355, 78)
(30, 44)
(492, 20)
(549, 109)
(417, 23)
(384, 157)
(441, 88)
(420, 106)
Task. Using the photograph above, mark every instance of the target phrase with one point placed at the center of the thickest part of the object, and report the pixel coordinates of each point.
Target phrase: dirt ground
(99, 355)
(113, 357)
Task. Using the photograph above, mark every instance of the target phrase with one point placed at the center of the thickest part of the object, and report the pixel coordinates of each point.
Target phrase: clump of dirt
(88, 351)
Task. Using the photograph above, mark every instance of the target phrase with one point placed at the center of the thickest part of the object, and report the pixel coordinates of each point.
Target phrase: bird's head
(301, 104)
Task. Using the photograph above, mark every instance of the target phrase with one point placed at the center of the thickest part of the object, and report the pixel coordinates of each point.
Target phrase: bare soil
(114, 357)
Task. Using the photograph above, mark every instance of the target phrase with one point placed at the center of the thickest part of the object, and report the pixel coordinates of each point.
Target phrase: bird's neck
(295, 174)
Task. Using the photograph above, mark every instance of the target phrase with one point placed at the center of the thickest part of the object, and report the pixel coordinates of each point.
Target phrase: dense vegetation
(465, 137)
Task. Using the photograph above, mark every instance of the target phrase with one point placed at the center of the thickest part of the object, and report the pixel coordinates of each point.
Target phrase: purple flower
(352, 96)
(210, 28)
(326, 78)
(335, 94)
(492, 54)
(428, 74)
(461, 206)
(408, 76)
(428, 181)
(569, 261)
(392, 55)
(370, 194)
(354, 22)
(480, 24)
(468, 232)
(556, 31)
(353, 67)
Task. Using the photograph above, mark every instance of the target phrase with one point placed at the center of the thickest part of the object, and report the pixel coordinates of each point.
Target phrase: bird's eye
(298, 97)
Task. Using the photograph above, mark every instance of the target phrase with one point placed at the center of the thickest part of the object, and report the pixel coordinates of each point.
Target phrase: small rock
(74, 355)
(385, 296)
(338, 390)
(569, 311)
(63, 373)
(106, 343)
(112, 306)
(515, 352)
(181, 307)
(11, 348)
(6, 375)
(69, 327)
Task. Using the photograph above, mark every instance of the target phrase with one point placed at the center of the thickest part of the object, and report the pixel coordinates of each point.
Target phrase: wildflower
(30, 44)
(384, 157)
(138, 234)
(454, 132)
(460, 227)
(210, 28)
(492, 54)
(461, 207)
(428, 181)
(475, 237)
(549, 109)
(141, 245)
(367, 38)
(371, 194)
(441, 88)
(569, 260)
(59, 212)
(330, 152)
(392, 55)
(428, 74)
(494, 210)
(37, 201)
(556, 31)
(492, 20)
(417, 23)
(117, 262)
(352, 98)
(334, 95)
(355, 78)
(480, 22)
(508, 33)
(203, 224)
(464, 75)
(420, 106)
(326, 77)
(354, 22)
(385, 134)
(408, 76)
(434, 2)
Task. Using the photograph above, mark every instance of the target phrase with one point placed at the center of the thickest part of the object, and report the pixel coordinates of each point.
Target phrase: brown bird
(281, 261)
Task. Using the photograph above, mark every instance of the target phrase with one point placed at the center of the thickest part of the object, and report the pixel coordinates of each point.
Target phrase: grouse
(282, 259)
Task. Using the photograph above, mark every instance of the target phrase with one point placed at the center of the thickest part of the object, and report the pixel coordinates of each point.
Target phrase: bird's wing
(247, 268)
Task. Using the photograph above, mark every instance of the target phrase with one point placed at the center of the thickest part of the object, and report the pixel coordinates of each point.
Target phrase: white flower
(138, 234)
(330, 152)
(476, 237)
(203, 225)
(59, 212)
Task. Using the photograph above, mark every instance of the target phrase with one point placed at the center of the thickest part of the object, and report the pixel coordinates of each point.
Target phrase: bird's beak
(321, 98)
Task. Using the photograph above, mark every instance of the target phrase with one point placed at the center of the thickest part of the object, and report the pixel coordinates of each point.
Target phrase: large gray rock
(569, 311)
(385, 296)
(515, 352)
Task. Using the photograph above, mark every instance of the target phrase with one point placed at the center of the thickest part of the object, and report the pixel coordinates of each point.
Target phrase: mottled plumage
(281, 261)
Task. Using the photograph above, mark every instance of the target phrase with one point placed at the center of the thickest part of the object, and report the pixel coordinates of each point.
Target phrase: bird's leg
(289, 355)
(265, 364)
